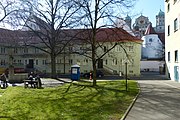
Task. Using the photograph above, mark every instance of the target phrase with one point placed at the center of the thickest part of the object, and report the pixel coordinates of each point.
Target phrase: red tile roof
(162, 37)
(149, 30)
(115, 35)
(12, 37)
(103, 35)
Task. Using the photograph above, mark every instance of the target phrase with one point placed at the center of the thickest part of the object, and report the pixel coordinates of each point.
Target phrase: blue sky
(148, 8)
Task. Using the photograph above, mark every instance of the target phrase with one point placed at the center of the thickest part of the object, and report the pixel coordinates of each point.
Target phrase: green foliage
(75, 101)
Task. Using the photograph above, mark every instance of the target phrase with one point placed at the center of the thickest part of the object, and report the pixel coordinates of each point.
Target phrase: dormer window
(150, 40)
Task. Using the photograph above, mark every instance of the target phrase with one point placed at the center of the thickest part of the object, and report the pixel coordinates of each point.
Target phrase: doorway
(176, 73)
(31, 63)
(100, 63)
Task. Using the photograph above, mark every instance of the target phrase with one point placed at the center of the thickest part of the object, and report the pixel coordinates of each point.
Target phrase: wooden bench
(32, 83)
(3, 84)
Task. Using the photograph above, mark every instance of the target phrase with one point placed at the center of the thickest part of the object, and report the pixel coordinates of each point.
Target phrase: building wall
(172, 36)
(151, 65)
(160, 22)
(152, 47)
(116, 58)
(120, 23)
(141, 23)
(113, 62)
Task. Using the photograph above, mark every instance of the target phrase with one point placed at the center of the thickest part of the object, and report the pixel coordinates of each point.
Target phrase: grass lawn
(78, 101)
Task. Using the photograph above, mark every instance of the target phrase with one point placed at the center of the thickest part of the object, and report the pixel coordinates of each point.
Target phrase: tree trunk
(94, 63)
(94, 72)
(64, 57)
(53, 65)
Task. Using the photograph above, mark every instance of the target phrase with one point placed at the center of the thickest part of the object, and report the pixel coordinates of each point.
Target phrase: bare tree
(98, 14)
(46, 20)
(7, 7)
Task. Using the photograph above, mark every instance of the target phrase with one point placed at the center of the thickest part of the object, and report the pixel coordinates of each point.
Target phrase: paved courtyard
(158, 100)
(46, 82)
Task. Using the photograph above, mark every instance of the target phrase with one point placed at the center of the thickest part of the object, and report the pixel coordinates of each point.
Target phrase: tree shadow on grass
(97, 88)
(103, 104)
(100, 90)
(81, 85)
(6, 117)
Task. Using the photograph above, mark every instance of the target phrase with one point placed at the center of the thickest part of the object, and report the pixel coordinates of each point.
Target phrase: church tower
(128, 21)
(160, 22)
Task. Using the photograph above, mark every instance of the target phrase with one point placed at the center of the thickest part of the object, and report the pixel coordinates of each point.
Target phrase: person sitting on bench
(31, 77)
(4, 80)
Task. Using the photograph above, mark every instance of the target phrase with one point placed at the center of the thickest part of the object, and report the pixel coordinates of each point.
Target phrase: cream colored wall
(117, 54)
(173, 40)
(134, 57)
(86, 63)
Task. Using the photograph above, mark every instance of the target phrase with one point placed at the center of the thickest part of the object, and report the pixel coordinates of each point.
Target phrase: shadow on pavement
(151, 76)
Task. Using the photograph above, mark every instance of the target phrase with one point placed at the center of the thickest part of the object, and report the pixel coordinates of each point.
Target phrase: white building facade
(152, 47)
(172, 36)
(152, 51)
(125, 24)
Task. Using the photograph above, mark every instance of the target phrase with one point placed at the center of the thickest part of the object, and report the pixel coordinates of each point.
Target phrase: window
(3, 62)
(175, 1)
(106, 62)
(36, 62)
(15, 50)
(70, 61)
(168, 7)
(175, 25)
(114, 62)
(85, 61)
(36, 50)
(118, 48)
(130, 48)
(168, 30)
(58, 61)
(176, 55)
(131, 71)
(105, 49)
(169, 57)
(25, 62)
(19, 61)
(25, 50)
(3, 50)
(70, 49)
(150, 40)
(44, 62)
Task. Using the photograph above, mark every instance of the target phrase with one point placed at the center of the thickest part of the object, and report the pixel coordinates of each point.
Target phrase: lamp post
(126, 75)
